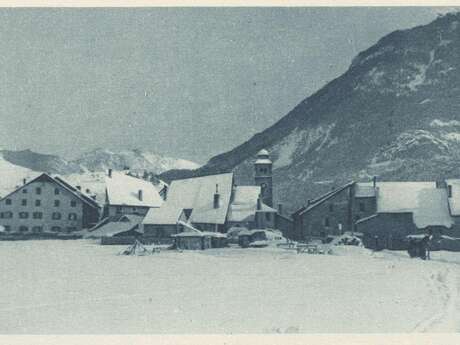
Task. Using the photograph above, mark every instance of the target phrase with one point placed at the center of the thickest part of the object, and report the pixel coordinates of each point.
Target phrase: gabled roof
(196, 194)
(60, 182)
(318, 201)
(427, 203)
(127, 223)
(123, 189)
(244, 205)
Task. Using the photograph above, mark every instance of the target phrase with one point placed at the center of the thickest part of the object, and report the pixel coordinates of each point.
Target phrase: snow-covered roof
(454, 201)
(428, 204)
(364, 190)
(123, 189)
(191, 231)
(263, 161)
(263, 152)
(196, 194)
(244, 205)
(60, 182)
(113, 228)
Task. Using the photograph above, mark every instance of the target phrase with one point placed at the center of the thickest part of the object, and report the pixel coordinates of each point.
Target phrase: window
(326, 221)
(38, 190)
(449, 191)
(55, 228)
(38, 202)
(268, 216)
(72, 216)
(57, 203)
(362, 207)
(24, 202)
(73, 203)
(24, 190)
(7, 228)
(56, 191)
(331, 207)
(4, 215)
(23, 228)
(8, 202)
(37, 215)
(37, 229)
(56, 215)
(118, 209)
(23, 215)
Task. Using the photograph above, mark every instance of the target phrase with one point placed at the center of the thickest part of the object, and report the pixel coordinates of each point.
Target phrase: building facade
(47, 205)
(330, 214)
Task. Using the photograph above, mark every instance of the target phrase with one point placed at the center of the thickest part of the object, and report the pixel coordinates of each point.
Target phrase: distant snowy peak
(135, 160)
(12, 175)
(40, 162)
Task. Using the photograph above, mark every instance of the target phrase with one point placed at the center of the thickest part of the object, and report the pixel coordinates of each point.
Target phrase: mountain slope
(96, 161)
(394, 113)
(39, 162)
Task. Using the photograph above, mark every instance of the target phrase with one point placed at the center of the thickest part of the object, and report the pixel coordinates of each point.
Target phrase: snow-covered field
(80, 287)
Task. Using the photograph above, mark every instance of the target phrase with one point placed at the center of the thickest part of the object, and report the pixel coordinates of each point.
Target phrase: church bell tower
(263, 176)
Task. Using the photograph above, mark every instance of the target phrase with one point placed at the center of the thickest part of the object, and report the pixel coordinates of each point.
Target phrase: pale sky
(186, 82)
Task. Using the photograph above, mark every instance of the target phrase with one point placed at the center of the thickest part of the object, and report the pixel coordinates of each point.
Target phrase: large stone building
(47, 204)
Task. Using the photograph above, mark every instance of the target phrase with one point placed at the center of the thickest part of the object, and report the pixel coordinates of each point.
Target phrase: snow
(195, 193)
(12, 176)
(124, 190)
(441, 123)
(287, 148)
(74, 287)
(419, 78)
(263, 161)
(428, 204)
(244, 205)
(112, 228)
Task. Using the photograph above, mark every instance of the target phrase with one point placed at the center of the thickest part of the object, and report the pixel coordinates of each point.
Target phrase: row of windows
(38, 202)
(38, 190)
(37, 215)
(38, 229)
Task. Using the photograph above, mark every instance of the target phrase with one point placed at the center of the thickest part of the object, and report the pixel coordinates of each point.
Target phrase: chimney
(87, 190)
(140, 194)
(93, 197)
(280, 209)
(374, 181)
(78, 187)
(308, 202)
(217, 197)
(259, 203)
(24, 181)
(109, 173)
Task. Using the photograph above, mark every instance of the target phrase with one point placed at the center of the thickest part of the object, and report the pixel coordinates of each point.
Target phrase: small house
(123, 229)
(127, 194)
